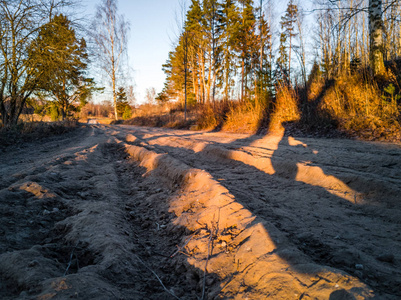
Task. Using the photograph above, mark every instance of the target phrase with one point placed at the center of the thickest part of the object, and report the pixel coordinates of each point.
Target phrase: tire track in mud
(252, 258)
(81, 225)
(354, 238)
(87, 222)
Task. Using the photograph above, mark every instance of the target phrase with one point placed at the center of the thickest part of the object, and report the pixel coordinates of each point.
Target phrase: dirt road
(122, 212)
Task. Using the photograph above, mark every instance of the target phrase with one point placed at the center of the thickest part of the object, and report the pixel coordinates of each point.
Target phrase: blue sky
(153, 30)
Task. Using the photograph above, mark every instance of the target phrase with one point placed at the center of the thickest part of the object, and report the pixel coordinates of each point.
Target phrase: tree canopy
(59, 60)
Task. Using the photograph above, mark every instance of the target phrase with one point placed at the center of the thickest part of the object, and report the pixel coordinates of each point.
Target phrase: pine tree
(281, 73)
(264, 84)
(123, 107)
(288, 22)
(213, 36)
(245, 41)
(194, 43)
(60, 58)
(229, 20)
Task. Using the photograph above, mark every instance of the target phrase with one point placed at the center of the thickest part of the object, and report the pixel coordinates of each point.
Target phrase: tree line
(236, 49)
(44, 56)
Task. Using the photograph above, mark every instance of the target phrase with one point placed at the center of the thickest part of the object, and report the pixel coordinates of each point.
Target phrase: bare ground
(122, 212)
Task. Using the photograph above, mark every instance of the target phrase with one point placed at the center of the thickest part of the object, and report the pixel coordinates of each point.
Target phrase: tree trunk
(242, 79)
(376, 37)
(114, 93)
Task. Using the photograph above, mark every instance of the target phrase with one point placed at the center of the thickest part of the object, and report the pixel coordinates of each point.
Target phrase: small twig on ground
(71, 256)
(214, 231)
(207, 260)
(158, 278)
(183, 246)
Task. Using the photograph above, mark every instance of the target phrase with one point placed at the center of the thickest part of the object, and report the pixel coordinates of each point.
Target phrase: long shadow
(353, 237)
(140, 134)
(309, 216)
(224, 116)
(340, 241)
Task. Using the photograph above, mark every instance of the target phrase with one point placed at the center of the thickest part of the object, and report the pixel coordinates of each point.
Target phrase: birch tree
(375, 19)
(288, 22)
(109, 33)
(376, 36)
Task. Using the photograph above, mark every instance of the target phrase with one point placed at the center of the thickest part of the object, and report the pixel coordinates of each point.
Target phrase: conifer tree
(281, 72)
(229, 20)
(60, 60)
(194, 44)
(212, 36)
(123, 107)
(264, 78)
(288, 22)
(245, 41)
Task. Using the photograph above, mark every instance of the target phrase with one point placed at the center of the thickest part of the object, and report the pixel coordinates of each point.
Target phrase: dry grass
(351, 105)
(360, 108)
(29, 131)
(285, 109)
(245, 117)
(168, 115)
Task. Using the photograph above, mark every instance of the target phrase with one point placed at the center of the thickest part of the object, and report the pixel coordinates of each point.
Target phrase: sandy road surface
(117, 212)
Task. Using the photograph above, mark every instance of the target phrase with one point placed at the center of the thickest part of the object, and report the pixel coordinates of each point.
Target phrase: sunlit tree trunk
(376, 36)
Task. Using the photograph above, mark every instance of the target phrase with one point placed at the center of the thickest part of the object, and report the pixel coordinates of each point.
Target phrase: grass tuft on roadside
(30, 131)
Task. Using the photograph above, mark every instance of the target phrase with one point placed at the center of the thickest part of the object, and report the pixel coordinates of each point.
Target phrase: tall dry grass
(170, 115)
(352, 105)
(246, 117)
(285, 108)
(359, 107)
(30, 131)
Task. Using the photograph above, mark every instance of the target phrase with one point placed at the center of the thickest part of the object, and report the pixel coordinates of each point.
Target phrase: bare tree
(54, 7)
(375, 15)
(150, 95)
(131, 95)
(18, 27)
(109, 32)
(20, 22)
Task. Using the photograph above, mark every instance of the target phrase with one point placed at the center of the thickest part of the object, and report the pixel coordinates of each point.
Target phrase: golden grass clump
(244, 117)
(170, 115)
(209, 118)
(360, 107)
(356, 105)
(286, 108)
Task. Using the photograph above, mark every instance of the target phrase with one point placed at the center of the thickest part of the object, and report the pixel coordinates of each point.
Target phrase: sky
(153, 31)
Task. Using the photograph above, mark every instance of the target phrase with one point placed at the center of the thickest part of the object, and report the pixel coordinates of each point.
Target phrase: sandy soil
(122, 212)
